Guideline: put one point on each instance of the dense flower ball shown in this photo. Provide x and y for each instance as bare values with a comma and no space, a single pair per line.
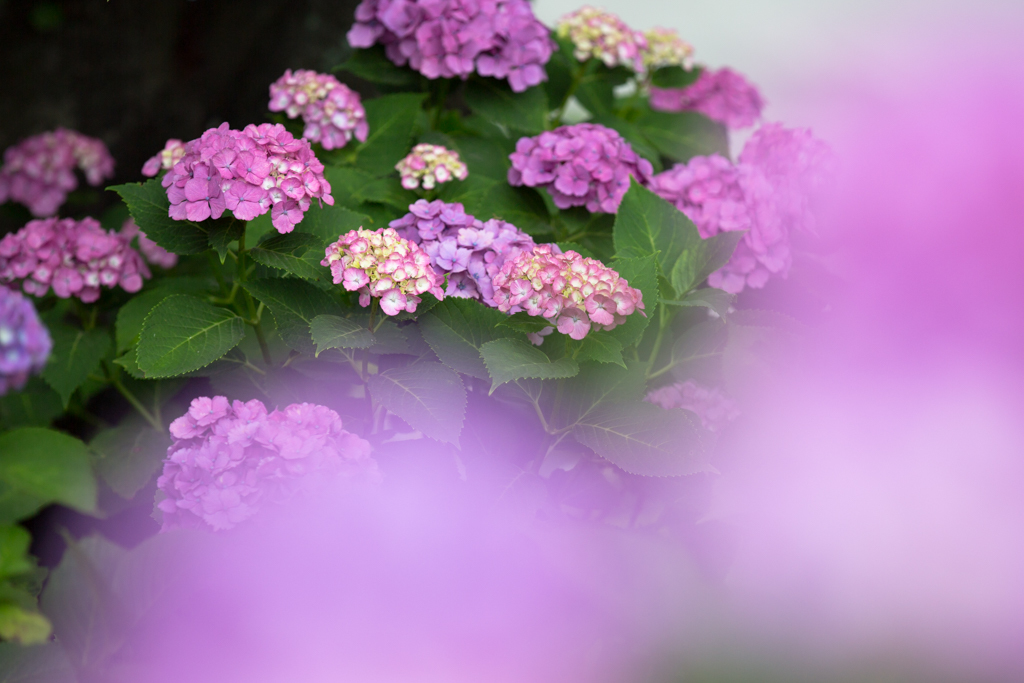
165,159
333,113
713,407
430,165
470,251
379,263
573,292
24,341
452,38
602,35
74,257
666,48
722,95
40,171
153,252
584,164
230,458
248,172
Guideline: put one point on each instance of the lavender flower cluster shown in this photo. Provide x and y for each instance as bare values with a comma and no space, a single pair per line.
24,341
332,112
472,252
165,159
599,34
74,257
40,171
454,38
723,96
430,165
585,164
248,172
712,406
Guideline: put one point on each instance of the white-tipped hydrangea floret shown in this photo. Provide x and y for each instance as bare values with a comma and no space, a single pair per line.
430,165
599,34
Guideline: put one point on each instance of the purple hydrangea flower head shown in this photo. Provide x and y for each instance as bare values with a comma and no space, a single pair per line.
470,251
230,458
333,113
430,165
248,172
584,164
24,341
75,258
165,159
40,171
598,34
722,95
153,252
380,263
454,38
713,407
664,48
573,292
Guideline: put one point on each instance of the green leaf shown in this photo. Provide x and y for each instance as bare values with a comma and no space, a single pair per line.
132,315
596,90
389,338
387,191
429,396
644,439
601,347
520,206
391,120
675,76
19,619
184,333
599,385
335,332
373,65
148,205
511,359
708,297
294,304
36,405
697,353
345,181
494,100
648,225
559,70
14,543
641,273
331,222
701,257
76,354
633,135
456,328
42,466
471,192
683,135
223,232
128,455
298,253
525,323
484,158
36,664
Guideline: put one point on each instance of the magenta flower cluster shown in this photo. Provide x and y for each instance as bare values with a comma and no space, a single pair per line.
380,263
153,252
24,341
573,292
599,34
75,258
454,38
472,252
723,96
332,112
248,172
430,165
165,159
584,164
712,406
40,171
229,458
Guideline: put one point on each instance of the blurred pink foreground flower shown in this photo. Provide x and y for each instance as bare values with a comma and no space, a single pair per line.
722,96
711,405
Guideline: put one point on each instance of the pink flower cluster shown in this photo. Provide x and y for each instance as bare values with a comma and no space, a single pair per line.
430,165
248,172
722,96
165,159
230,458
74,257
24,341
573,292
379,263
333,113
40,171
584,164
713,407
599,34
153,252
452,38
470,251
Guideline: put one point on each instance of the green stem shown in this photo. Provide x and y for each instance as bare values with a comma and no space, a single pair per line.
215,266
663,321
254,317
373,309
136,403
577,78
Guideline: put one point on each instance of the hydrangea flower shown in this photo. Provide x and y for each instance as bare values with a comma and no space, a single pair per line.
430,165
248,172
584,164
454,38
379,263
165,159
40,171
598,34
24,341
229,458
665,48
722,96
573,292
153,252
74,257
333,113
470,251
713,407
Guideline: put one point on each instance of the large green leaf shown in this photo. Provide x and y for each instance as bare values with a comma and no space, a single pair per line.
511,359
633,135
20,620
128,455
675,76
455,329
35,405
345,182
147,202
596,386
521,206
76,354
37,664
697,353
472,193
701,257
682,135
335,332
429,396
42,466
298,253
331,222
602,347
484,158
648,225
641,273
132,315
294,304
387,191
391,120
373,65
494,100
223,232
708,297
184,333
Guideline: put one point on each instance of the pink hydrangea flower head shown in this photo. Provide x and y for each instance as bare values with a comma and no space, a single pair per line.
165,159
24,341
75,258
575,293
451,38
430,165
153,252
230,458
598,34
665,48
470,251
722,95
711,405
381,264
40,170
585,164
332,112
